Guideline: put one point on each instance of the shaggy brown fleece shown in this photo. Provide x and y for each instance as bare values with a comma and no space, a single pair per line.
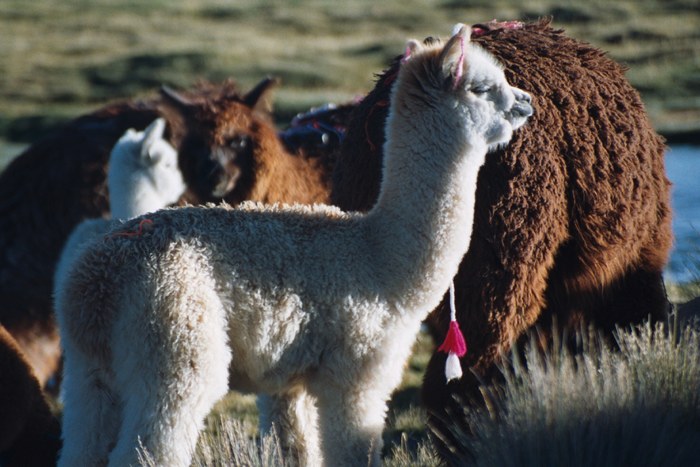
29,433
573,218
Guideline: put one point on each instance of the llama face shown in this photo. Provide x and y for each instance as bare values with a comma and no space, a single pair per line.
497,108
219,152
218,149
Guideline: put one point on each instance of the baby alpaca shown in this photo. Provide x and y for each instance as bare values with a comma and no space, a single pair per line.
278,298
143,176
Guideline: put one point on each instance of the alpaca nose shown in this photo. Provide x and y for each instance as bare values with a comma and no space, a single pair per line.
523,103
521,96
523,109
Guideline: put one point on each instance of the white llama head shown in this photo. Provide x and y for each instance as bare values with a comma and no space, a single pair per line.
143,172
468,78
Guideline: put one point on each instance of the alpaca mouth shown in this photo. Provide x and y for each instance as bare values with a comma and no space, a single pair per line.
499,135
519,114
521,110
225,185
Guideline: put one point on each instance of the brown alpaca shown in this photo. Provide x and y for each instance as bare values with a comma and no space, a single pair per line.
572,220
29,433
228,149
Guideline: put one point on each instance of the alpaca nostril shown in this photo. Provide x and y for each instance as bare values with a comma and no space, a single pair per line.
524,109
522,96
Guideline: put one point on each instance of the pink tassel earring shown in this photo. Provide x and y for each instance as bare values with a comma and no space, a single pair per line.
454,344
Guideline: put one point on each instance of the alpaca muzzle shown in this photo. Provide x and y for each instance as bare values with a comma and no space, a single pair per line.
522,108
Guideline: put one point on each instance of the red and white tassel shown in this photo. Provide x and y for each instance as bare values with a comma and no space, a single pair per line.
454,344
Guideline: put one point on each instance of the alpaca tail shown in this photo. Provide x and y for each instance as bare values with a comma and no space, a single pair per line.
83,290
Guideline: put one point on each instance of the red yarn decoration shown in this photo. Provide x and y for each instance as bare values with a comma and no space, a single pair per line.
454,341
135,233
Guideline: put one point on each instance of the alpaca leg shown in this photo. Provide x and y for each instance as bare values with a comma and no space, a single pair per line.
351,423
91,415
163,418
294,416
170,382
634,297
638,296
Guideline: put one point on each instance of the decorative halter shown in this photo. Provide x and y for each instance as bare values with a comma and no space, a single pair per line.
133,233
454,344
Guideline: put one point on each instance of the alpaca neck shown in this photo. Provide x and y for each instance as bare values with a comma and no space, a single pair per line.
422,222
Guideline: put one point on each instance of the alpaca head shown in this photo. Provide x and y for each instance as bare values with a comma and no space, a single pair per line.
143,172
463,76
223,133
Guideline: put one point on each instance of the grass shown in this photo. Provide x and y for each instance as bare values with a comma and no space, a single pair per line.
58,59
636,406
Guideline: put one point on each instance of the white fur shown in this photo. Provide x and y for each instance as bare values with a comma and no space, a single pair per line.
315,308
143,176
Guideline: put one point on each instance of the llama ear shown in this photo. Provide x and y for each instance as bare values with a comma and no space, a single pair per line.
174,98
412,46
151,134
260,97
453,54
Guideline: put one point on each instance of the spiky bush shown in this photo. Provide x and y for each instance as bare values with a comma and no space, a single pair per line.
636,405
229,444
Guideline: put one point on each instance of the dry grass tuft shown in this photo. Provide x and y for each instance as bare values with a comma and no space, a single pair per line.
636,406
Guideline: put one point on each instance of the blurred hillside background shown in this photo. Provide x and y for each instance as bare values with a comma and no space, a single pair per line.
59,59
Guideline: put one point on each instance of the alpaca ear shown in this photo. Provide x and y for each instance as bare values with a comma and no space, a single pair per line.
151,134
260,97
412,47
453,55
175,99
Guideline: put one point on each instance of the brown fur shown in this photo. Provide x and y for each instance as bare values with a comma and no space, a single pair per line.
572,219
59,181
29,433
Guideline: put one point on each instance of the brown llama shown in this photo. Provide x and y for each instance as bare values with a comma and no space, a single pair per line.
228,150
29,432
573,218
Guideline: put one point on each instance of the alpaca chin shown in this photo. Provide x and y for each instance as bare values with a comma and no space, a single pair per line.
499,136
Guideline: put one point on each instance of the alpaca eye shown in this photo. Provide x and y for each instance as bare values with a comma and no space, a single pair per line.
481,89
238,143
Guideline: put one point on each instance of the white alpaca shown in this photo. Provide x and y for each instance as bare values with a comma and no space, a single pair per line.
315,308
143,176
